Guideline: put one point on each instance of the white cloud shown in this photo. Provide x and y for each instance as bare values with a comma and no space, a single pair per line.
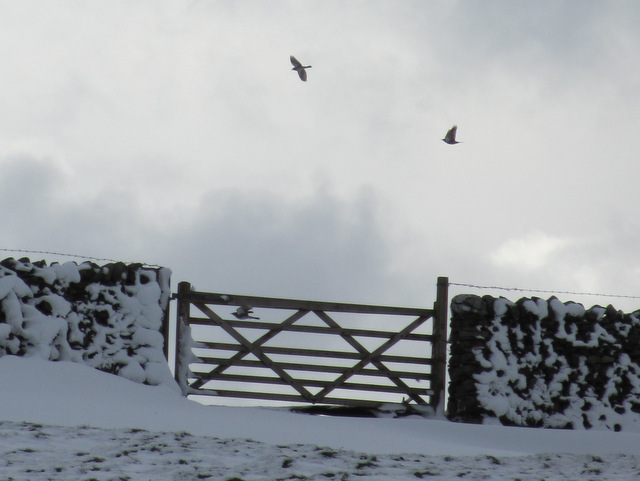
534,251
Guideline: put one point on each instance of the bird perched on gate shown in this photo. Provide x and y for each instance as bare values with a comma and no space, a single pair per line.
244,312
450,138
298,67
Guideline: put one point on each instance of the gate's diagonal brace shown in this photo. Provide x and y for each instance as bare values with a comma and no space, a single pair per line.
255,350
359,366
220,368
375,361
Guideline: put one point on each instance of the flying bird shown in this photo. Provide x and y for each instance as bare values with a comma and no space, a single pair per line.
450,138
298,67
244,312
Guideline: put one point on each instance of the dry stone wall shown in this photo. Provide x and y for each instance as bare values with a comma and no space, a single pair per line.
544,363
109,317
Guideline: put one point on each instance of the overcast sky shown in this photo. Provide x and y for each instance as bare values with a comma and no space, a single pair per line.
175,133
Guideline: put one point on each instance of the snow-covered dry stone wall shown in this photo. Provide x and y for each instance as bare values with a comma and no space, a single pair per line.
109,317
544,363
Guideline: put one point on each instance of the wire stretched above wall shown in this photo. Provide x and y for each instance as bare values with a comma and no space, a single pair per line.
78,256
544,291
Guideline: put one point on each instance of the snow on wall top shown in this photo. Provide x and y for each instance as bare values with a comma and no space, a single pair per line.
108,317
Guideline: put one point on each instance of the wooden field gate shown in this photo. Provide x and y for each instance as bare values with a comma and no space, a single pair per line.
287,350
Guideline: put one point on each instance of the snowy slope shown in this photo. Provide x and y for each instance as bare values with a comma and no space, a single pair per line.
37,452
67,421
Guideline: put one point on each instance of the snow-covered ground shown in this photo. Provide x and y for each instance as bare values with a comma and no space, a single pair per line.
61,420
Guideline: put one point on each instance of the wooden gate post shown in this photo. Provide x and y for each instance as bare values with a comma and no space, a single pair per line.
181,371
166,326
439,346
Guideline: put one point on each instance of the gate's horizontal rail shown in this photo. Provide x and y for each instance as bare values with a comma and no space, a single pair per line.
294,398
317,383
293,304
216,361
310,329
290,351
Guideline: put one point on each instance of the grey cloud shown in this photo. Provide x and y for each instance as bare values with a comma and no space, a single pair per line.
41,210
554,49
27,188
316,246
260,243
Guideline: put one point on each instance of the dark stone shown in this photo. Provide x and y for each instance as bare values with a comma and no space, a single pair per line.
44,307
593,359
465,302
130,276
9,263
118,271
561,404
573,360
102,317
90,273
612,312
76,292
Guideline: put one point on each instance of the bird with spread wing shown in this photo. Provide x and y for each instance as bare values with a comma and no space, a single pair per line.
298,67
450,138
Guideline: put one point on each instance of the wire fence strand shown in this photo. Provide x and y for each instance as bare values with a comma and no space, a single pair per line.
77,256
459,284
544,291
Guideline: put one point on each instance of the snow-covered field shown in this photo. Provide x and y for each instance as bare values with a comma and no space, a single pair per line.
69,422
